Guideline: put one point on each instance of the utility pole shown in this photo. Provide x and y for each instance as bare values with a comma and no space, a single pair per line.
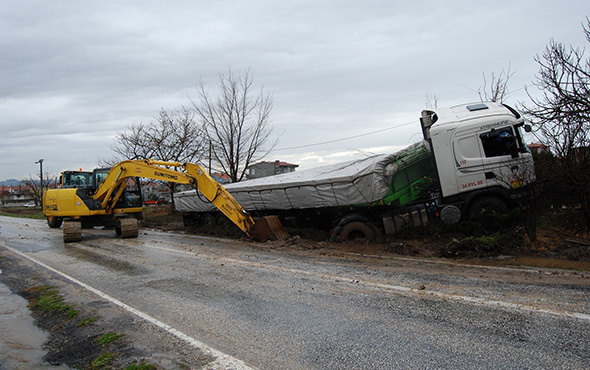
40,162
209,157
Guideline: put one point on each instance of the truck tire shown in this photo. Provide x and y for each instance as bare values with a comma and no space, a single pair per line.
223,221
209,220
54,222
356,230
486,206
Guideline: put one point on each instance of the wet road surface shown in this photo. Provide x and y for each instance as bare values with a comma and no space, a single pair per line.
269,309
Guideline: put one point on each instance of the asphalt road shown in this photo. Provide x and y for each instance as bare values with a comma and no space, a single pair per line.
250,305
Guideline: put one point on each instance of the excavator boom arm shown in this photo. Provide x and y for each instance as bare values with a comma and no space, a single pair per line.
112,188
220,197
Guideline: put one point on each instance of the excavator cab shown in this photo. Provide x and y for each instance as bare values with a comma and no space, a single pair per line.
100,174
76,179
131,197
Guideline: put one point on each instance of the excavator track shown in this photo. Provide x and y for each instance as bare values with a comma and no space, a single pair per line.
72,231
127,227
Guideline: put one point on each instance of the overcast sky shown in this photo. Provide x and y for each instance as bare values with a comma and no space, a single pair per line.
74,73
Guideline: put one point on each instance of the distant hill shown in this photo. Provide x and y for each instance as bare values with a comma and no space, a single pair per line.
11,182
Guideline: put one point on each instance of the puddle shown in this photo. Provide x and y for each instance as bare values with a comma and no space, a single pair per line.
21,341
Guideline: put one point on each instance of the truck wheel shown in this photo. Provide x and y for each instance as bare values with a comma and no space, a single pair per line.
209,220
224,222
486,206
54,222
356,230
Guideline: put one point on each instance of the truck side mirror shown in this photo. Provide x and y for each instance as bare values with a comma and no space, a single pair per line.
528,128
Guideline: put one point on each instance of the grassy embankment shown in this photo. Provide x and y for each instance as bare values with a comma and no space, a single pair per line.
23,212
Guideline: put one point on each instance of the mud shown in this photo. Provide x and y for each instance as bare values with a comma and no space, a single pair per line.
462,241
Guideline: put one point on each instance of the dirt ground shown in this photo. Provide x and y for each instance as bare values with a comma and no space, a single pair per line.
560,247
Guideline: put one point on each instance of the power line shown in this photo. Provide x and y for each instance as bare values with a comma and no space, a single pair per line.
344,138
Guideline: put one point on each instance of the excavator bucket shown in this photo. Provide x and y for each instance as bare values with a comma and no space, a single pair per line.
269,227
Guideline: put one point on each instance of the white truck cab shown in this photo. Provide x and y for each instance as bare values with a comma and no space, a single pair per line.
488,155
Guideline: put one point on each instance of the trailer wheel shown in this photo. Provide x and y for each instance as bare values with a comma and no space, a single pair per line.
356,230
223,221
486,206
209,220
54,222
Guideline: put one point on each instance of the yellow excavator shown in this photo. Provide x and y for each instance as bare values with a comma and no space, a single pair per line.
112,197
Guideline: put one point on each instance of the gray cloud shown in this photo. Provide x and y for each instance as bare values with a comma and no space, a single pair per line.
72,74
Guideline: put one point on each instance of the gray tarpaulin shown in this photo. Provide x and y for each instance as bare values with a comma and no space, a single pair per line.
343,184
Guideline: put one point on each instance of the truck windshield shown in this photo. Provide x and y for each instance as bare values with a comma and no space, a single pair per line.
498,142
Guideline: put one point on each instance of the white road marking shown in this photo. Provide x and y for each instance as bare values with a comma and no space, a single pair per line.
222,360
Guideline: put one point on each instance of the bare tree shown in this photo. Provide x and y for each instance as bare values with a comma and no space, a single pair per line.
497,88
37,188
561,115
237,122
173,136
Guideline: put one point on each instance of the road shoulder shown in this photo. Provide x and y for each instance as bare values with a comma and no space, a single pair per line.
77,345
